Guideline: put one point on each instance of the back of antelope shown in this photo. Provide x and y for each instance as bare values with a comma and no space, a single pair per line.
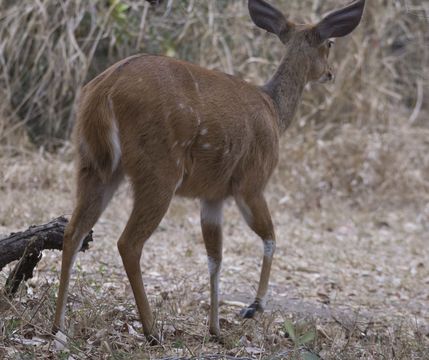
175,128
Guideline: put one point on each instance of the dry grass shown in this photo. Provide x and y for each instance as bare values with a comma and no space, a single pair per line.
44,63
350,197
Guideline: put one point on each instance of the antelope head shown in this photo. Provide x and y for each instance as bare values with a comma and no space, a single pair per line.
308,43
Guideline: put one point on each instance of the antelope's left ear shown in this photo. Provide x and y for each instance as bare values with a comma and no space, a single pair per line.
340,22
269,18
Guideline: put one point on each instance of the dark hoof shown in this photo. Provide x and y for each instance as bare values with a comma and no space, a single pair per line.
153,340
249,312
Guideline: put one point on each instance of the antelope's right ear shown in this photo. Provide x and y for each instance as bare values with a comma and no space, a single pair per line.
269,18
341,22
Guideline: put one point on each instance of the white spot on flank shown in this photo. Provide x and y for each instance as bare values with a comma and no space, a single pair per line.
181,106
197,87
204,131
207,146
269,248
116,146
114,139
178,162
211,212
198,119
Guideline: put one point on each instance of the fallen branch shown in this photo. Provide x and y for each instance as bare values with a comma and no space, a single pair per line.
27,247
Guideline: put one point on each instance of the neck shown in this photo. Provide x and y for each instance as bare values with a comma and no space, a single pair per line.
286,87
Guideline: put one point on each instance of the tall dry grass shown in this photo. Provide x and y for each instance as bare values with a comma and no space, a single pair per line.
50,48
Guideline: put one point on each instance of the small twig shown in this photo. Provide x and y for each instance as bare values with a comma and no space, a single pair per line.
142,25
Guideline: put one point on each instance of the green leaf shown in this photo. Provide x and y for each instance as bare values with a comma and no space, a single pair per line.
307,337
290,329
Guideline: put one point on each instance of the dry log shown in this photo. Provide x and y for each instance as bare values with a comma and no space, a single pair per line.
27,247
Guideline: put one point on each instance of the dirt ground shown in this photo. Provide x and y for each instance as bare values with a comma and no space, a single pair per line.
351,269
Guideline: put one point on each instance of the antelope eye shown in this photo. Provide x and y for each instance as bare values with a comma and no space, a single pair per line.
330,43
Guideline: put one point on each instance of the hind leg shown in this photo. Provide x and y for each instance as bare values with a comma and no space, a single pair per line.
152,196
92,197
255,211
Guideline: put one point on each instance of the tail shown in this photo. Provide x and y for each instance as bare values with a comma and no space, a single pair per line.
97,133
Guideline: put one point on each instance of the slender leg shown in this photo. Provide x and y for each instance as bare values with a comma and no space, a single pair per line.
92,198
150,205
255,211
211,224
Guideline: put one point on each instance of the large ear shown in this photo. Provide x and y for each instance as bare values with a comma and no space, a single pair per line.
267,17
341,22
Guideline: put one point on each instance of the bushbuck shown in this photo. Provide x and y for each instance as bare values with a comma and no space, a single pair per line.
174,128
